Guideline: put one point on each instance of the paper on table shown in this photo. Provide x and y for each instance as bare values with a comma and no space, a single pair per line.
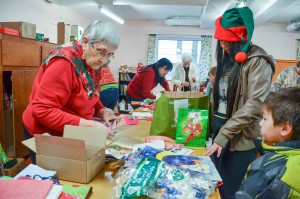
142,114
159,144
55,192
32,170
180,151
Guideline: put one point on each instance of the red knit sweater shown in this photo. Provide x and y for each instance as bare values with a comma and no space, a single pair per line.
142,83
58,98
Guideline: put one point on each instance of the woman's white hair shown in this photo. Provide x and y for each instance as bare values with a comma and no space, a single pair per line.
187,57
102,31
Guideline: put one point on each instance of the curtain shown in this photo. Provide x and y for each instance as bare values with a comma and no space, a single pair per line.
151,49
298,49
205,57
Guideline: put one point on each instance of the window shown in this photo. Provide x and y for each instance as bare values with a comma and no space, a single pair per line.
173,48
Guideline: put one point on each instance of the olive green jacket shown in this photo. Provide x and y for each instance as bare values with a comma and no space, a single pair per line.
256,74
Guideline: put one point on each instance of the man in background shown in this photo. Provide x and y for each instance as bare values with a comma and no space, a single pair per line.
289,77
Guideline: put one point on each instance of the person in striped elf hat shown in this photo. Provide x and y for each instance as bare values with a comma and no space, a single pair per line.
243,80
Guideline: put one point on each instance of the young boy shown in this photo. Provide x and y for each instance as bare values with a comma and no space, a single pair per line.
212,76
276,174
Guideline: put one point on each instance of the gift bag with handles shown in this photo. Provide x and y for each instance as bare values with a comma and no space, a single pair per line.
163,118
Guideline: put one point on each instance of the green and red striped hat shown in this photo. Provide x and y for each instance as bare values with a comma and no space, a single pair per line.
235,25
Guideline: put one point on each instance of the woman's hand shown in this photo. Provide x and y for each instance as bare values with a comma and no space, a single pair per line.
215,147
186,84
106,115
96,124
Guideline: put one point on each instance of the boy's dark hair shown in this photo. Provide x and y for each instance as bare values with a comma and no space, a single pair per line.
285,107
213,71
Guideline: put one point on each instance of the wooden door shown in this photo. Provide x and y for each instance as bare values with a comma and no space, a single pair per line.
22,81
281,64
16,53
2,134
47,48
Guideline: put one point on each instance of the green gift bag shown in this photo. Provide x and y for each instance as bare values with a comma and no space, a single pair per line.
192,127
163,117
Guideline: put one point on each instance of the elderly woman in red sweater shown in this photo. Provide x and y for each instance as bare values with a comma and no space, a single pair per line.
66,88
147,78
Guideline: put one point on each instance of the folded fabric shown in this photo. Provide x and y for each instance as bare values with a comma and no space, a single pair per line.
29,189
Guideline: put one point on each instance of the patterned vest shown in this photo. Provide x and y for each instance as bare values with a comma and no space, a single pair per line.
74,54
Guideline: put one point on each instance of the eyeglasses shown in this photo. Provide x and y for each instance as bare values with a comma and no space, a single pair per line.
102,53
166,69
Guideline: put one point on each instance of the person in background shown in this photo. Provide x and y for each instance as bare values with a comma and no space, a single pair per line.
243,80
272,175
146,79
289,77
109,91
66,87
185,73
212,77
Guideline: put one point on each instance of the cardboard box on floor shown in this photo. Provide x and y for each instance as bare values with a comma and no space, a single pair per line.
15,169
78,156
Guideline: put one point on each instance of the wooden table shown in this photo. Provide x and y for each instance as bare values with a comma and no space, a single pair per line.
104,182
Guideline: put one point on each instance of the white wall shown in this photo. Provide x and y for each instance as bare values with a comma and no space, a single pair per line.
272,37
43,14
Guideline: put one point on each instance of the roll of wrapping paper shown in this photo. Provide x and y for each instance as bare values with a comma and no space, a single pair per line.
3,155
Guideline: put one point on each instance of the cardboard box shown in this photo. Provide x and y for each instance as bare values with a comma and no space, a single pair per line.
78,156
15,169
63,33
76,31
27,30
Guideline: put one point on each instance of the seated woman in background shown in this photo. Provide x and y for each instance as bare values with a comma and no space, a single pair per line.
109,91
146,79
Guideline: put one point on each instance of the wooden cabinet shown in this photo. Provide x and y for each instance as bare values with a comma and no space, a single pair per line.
20,59
281,64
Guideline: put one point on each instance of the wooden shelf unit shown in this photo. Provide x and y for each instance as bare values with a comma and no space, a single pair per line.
20,59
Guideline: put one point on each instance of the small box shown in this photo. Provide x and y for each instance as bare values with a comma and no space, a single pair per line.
15,169
39,36
9,31
27,30
76,31
78,156
63,33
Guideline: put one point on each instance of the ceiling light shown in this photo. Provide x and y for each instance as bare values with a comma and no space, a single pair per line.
241,3
182,21
110,14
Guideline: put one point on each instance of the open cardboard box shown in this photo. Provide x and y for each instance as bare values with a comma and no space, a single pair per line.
16,168
78,156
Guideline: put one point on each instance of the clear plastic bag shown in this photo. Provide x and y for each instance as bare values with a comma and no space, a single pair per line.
151,177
